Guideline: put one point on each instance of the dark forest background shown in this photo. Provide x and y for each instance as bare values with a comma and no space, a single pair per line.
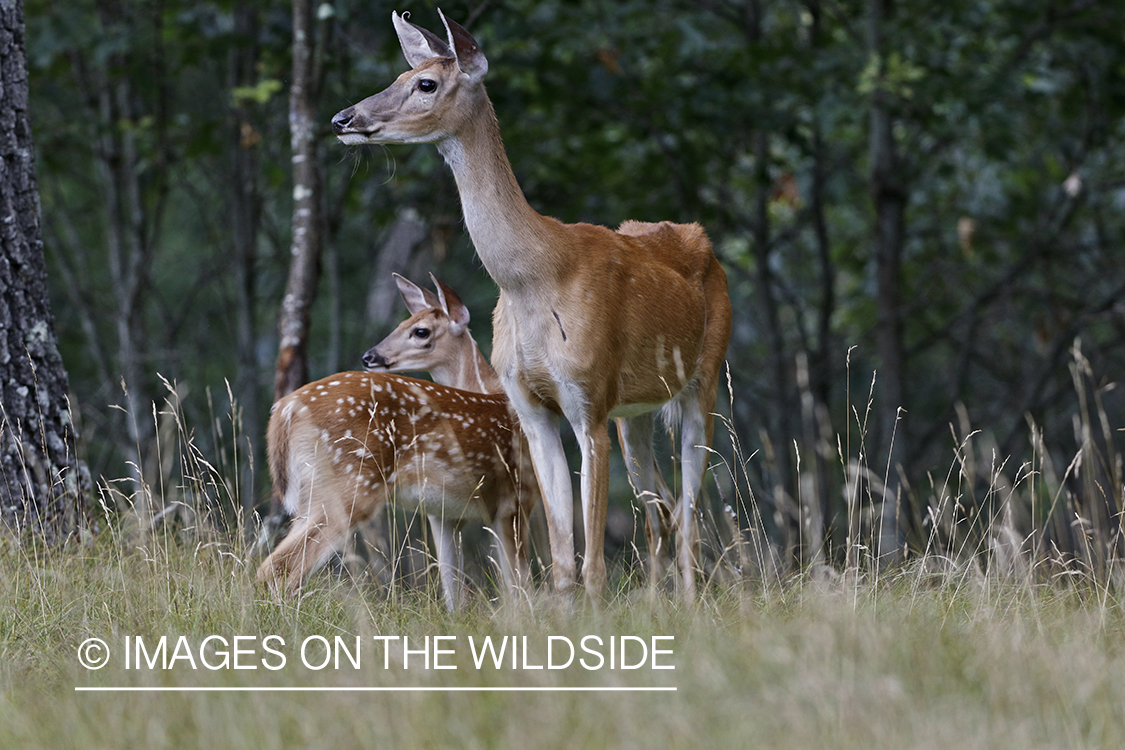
920,207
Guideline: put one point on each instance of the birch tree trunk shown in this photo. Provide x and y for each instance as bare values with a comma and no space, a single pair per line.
42,483
292,369
304,270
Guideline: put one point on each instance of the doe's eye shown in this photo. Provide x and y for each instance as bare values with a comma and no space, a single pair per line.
421,333
427,85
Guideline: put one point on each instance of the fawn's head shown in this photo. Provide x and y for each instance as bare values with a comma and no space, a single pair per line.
436,334
427,103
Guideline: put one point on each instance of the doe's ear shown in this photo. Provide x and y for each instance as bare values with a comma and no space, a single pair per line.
418,45
470,59
416,298
452,305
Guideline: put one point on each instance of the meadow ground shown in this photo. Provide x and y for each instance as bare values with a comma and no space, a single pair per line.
916,659
1005,647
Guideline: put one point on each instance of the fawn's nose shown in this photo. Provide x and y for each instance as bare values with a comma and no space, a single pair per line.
373,360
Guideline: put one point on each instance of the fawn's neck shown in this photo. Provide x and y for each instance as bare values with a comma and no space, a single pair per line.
469,372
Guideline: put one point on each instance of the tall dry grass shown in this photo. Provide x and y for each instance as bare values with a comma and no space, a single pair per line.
1004,628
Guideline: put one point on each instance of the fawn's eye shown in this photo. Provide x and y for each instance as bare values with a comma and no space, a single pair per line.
427,85
422,333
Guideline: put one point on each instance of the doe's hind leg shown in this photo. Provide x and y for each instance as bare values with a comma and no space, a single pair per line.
636,435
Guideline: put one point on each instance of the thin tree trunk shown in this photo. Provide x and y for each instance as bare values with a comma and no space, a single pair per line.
401,243
820,365
888,193
246,204
304,270
818,429
117,168
42,484
134,189
780,420
292,370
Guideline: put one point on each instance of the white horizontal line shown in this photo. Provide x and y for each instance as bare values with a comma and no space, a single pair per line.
363,689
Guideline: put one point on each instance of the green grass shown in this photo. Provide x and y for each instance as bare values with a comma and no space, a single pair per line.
986,638
916,660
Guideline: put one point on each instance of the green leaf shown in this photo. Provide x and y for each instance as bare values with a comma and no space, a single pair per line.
260,93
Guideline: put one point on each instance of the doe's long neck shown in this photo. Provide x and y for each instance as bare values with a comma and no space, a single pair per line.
511,238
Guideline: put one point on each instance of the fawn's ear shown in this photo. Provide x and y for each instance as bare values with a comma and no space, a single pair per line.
416,298
418,44
452,305
470,59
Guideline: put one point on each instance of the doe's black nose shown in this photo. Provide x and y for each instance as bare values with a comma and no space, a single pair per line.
342,119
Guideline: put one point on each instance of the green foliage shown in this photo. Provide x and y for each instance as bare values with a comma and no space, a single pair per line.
259,93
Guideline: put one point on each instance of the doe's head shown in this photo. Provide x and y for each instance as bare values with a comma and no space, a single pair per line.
427,103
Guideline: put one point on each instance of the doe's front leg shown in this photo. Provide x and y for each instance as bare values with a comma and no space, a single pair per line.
541,427
451,561
594,442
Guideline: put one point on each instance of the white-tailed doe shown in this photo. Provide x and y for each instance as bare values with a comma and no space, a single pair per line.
591,323
339,448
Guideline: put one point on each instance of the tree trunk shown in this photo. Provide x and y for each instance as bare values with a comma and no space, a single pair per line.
779,429
304,270
292,370
245,215
888,193
401,244
42,483
134,185
815,404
